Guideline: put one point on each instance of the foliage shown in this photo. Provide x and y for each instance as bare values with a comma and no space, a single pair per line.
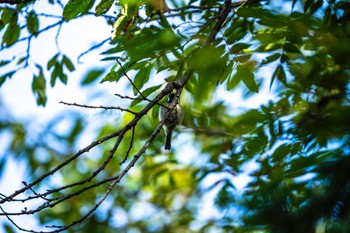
298,141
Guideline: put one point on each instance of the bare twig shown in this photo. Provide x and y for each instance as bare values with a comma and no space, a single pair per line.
99,107
40,31
92,48
60,166
127,97
135,98
131,82
130,146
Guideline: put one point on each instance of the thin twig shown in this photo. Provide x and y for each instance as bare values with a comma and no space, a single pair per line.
135,98
92,48
14,2
127,97
130,146
60,166
40,31
99,107
131,82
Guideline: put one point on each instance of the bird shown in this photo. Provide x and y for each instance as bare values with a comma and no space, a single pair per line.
172,115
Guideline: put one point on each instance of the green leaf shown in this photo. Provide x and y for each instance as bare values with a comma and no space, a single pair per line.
139,65
74,7
5,76
225,197
63,77
279,155
116,49
149,42
247,76
249,81
111,77
7,15
271,58
56,73
39,88
5,62
120,22
236,36
11,34
103,7
68,63
238,47
227,72
279,73
32,23
142,77
76,130
155,112
307,4
233,81
9,228
91,76
52,61
289,47
282,75
114,76
269,37
21,60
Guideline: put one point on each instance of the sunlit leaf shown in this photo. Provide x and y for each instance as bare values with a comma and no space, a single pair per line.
103,7
120,22
75,7
238,47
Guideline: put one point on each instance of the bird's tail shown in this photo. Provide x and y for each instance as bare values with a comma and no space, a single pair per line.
168,139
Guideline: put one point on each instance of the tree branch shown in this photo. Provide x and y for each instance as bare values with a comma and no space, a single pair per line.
13,2
97,107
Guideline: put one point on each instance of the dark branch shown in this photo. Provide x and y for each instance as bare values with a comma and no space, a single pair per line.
13,2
